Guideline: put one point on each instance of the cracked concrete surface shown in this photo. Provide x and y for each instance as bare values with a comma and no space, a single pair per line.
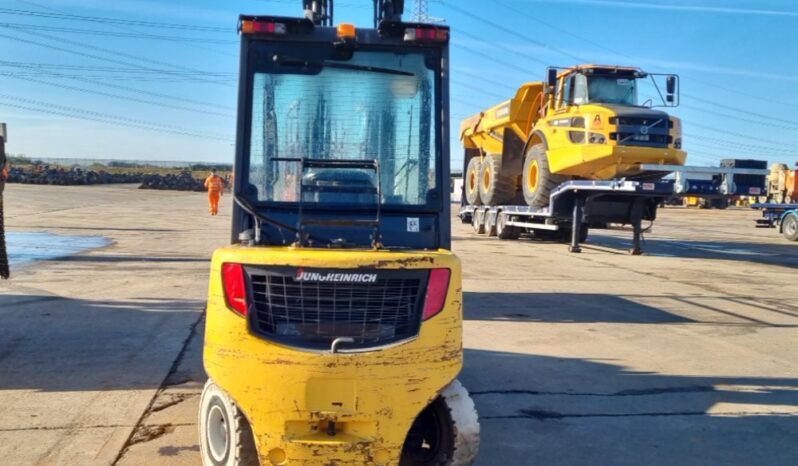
683,356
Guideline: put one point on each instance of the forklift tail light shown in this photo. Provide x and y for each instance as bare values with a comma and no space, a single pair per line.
235,287
437,288
426,34
262,27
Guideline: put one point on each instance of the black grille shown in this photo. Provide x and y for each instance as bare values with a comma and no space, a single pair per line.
645,140
650,121
644,131
312,314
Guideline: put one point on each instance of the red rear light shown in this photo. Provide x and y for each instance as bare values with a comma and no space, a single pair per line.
437,288
426,34
235,287
262,27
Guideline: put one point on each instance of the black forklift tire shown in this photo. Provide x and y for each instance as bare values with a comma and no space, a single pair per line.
495,188
504,231
789,227
225,435
471,181
446,433
537,180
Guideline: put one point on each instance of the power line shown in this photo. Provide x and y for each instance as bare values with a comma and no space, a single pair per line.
147,93
627,56
106,20
111,122
51,66
132,35
510,32
117,96
117,53
126,28
82,54
482,91
793,124
106,116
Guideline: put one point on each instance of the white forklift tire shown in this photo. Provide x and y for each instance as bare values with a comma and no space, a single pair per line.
225,435
446,433
466,423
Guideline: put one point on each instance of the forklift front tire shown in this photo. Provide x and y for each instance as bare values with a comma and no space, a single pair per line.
225,434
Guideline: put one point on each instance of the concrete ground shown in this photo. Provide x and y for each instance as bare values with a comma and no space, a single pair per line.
683,356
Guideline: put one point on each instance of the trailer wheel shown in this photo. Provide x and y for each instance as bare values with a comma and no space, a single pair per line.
225,435
789,227
490,224
537,181
478,223
495,188
446,433
472,181
504,231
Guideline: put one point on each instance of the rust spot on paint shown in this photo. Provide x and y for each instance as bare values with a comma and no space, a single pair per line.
401,263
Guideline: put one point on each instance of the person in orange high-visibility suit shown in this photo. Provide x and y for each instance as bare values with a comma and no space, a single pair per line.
215,186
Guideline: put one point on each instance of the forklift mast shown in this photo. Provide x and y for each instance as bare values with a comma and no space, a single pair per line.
321,12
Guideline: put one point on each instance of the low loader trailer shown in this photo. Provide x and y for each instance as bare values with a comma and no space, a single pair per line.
577,206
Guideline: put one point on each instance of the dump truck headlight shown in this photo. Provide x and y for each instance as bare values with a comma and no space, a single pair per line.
677,143
597,138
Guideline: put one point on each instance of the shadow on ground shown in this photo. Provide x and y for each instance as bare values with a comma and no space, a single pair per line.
563,307
540,410
785,255
50,343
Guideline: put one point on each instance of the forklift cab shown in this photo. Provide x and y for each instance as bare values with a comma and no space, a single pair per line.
341,136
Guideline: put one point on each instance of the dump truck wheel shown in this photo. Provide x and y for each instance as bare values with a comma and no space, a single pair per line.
789,227
504,231
446,433
225,435
472,181
537,181
495,188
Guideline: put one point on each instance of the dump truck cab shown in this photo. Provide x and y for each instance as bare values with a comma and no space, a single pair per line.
596,110
334,319
584,122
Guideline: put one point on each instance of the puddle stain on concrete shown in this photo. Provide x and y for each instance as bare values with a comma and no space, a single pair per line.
25,247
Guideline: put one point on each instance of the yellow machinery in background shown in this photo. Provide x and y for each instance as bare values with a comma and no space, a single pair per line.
782,184
334,321
585,122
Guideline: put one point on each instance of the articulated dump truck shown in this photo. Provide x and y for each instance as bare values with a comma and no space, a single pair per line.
583,123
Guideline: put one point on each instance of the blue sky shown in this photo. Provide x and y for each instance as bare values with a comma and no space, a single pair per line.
737,60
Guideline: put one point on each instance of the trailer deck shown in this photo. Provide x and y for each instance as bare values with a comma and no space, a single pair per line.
578,205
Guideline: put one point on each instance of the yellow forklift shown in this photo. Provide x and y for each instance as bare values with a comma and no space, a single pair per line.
334,320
